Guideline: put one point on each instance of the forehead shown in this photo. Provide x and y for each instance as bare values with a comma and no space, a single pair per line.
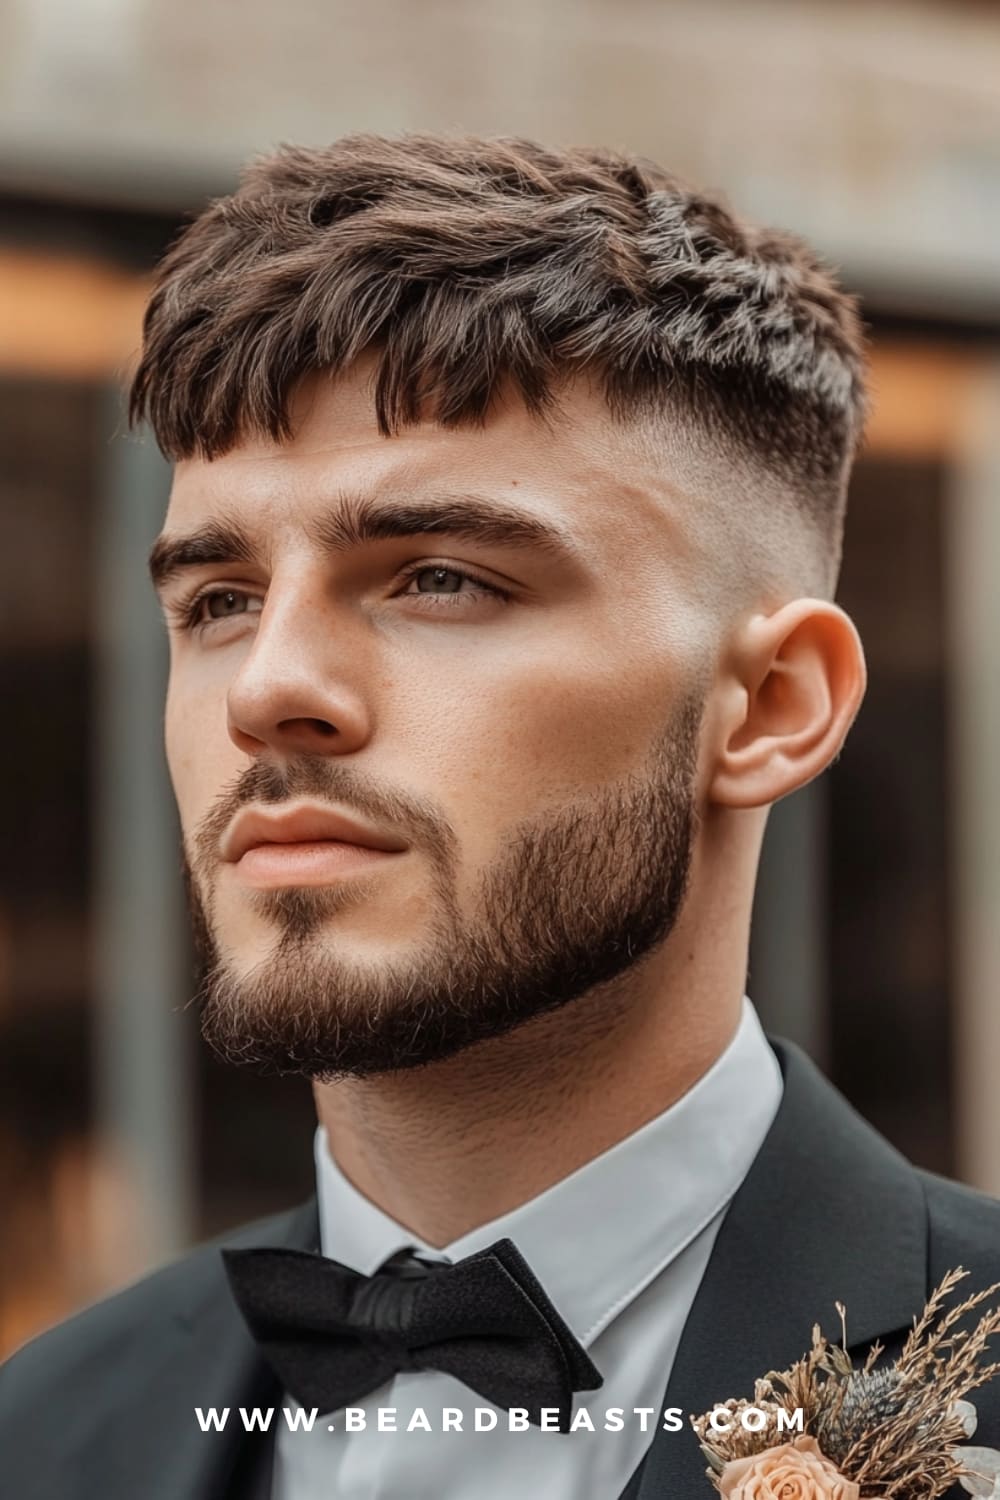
576,469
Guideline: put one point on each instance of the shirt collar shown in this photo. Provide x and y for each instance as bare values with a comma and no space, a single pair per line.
601,1235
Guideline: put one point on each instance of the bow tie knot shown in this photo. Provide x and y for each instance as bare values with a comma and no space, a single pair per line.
333,1336
387,1309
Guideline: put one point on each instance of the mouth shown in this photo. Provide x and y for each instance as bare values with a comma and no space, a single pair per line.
306,845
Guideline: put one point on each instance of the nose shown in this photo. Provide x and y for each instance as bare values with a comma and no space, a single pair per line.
298,690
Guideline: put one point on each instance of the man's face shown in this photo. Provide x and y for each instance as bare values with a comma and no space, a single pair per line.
432,724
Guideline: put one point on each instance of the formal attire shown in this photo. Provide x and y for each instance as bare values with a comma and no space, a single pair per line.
620,1247
102,1407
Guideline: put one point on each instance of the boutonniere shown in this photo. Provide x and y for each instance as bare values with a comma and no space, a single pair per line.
827,1430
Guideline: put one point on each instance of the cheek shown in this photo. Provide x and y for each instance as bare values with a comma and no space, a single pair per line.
590,706
500,737
585,722
583,709
200,755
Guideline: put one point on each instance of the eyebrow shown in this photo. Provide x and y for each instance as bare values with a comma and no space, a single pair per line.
356,521
214,542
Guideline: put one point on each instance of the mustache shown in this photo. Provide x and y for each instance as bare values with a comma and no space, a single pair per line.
417,820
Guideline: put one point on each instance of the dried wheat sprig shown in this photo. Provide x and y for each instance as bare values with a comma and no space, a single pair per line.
924,1339
920,1436
931,1307
913,1453
917,1440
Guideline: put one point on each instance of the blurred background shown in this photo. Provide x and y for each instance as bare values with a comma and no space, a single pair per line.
874,129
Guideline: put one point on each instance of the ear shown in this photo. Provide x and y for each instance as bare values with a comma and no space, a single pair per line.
791,685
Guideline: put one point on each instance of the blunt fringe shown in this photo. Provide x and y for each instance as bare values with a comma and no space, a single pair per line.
465,265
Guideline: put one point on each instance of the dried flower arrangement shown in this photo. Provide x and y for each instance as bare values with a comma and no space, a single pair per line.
895,1432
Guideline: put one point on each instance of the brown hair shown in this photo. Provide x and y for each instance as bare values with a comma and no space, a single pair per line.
467,263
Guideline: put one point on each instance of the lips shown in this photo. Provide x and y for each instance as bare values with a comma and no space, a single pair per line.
303,824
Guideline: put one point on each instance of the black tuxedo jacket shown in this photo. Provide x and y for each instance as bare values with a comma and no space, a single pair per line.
102,1407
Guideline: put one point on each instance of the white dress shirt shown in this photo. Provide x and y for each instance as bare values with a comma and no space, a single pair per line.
620,1246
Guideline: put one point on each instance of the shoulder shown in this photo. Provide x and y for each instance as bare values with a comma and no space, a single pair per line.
102,1349
963,1229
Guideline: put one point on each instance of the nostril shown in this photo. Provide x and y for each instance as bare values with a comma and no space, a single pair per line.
315,726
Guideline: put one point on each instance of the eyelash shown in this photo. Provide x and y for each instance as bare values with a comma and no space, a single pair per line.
446,600
185,612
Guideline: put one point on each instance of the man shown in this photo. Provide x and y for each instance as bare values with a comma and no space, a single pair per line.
498,571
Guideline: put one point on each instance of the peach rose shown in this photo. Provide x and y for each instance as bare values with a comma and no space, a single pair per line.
793,1471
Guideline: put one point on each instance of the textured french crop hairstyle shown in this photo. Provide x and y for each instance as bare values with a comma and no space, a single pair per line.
465,265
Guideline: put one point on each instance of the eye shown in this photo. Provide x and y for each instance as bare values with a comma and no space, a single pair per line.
439,581
214,605
441,587
218,606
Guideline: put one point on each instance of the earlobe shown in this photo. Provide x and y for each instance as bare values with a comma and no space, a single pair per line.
794,683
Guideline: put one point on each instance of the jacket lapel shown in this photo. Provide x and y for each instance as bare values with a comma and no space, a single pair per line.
215,1362
828,1212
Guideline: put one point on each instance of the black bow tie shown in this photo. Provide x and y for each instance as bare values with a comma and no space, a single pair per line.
334,1336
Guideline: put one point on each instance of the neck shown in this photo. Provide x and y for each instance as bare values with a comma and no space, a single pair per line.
445,1148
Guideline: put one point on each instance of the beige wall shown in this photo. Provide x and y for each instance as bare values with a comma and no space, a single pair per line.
872,125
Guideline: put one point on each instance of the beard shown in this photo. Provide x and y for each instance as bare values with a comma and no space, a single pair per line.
581,893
